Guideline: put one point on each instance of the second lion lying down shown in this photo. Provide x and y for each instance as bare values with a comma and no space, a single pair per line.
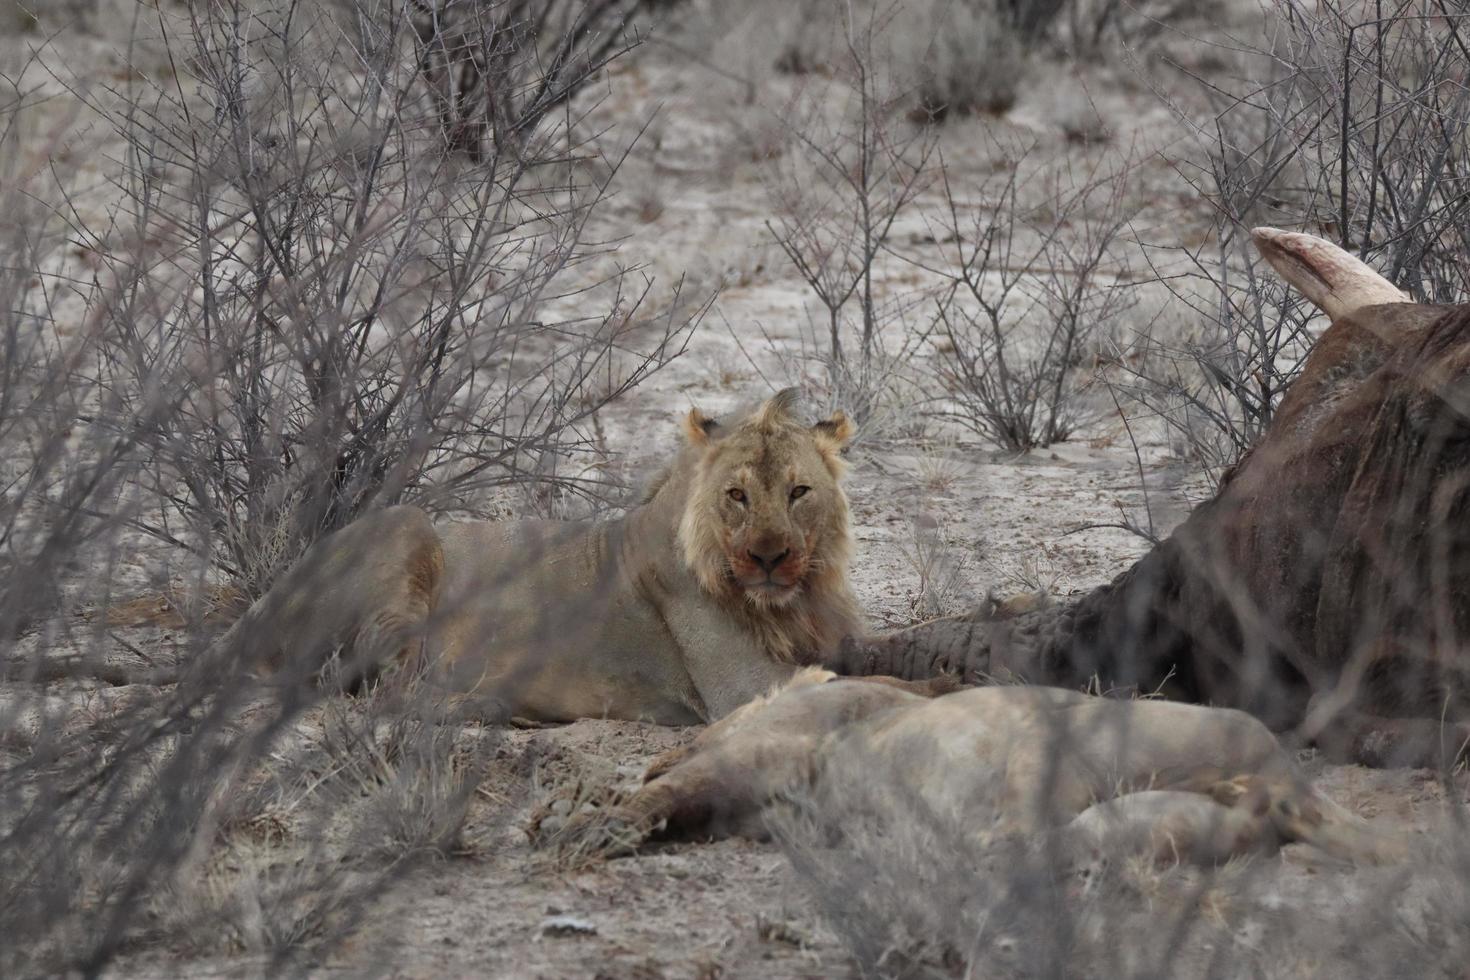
1093,776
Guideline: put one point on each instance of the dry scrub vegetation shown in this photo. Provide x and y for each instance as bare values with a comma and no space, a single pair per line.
294,262
306,295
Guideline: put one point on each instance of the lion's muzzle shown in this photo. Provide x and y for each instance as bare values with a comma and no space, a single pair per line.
769,568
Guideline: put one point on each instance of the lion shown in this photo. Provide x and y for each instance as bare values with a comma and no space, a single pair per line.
728,577
1098,778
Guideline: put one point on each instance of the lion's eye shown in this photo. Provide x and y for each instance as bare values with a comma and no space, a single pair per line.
736,494
798,492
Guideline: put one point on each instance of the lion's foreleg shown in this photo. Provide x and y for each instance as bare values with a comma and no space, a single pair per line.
397,622
720,791
666,761
1301,814
681,801
1265,808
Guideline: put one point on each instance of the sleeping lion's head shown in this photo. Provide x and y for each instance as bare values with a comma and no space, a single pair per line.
766,518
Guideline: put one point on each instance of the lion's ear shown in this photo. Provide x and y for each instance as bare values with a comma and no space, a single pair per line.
698,427
835,433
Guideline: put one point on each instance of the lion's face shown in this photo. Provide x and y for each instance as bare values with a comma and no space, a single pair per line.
766,514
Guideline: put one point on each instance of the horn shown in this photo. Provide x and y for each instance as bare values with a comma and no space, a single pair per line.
1337,283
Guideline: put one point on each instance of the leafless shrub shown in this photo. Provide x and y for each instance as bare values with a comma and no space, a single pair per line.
891,930
351,796
279,902
966,57
576,825
940,465
293,307
1219,392
497,67
941,56
1353,124
352,316
1069,105
1031,18
956,56
1092,28
1393,143
23,20
1035,574
877,394
1028,282
836,198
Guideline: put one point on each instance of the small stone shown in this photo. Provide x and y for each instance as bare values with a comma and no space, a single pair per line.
565,926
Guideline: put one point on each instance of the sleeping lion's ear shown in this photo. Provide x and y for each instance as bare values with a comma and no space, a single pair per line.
835,433
698,427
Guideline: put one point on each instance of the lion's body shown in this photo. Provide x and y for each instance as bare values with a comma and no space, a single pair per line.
1105,776
643,617
557,621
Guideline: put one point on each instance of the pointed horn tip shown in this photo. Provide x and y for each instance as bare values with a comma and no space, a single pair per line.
1269,239
1336,281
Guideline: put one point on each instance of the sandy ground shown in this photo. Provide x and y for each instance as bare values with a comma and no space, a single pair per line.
734,908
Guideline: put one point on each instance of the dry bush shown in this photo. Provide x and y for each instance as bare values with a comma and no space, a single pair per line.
496,68
941,57
1095,29
941,464
1031,18
1351,121
576,825
960,58
278,902
1035,574
1028,282
288,304
352,315
853,170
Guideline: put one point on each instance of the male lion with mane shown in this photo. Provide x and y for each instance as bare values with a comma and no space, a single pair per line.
727,578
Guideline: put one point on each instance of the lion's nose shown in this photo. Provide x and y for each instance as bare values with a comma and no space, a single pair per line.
769,562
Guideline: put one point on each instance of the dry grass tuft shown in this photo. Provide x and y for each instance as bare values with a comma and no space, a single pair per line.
407,784
940,465
280,902
578,824
941,567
